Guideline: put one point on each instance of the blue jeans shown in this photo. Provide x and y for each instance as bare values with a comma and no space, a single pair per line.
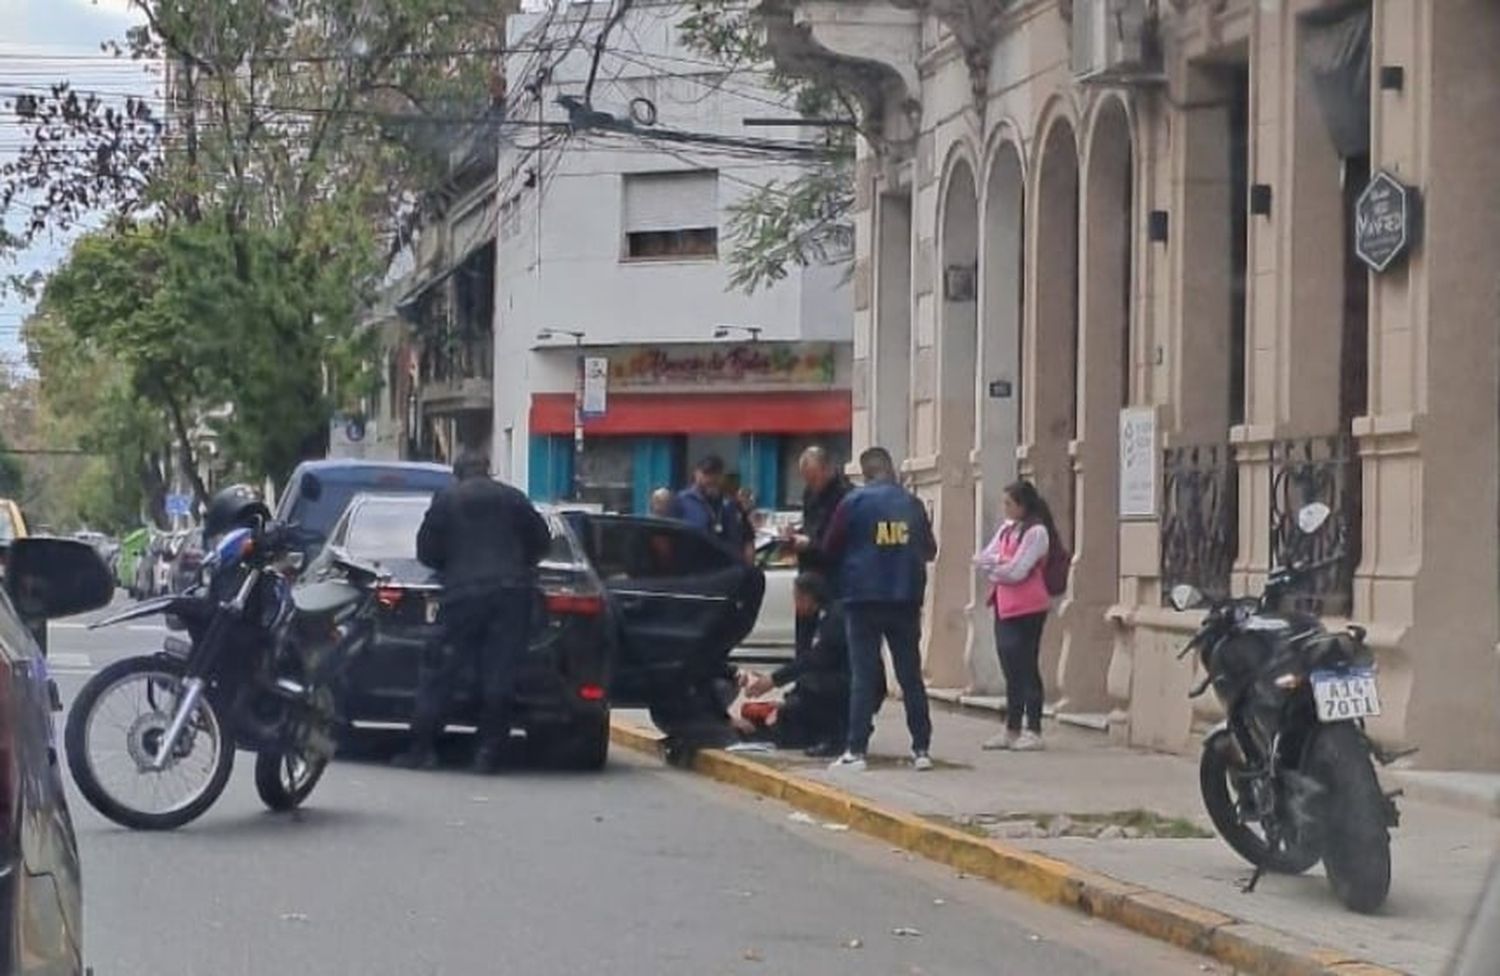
899,625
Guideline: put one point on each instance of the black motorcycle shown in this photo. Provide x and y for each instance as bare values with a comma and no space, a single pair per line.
1288,778
151,739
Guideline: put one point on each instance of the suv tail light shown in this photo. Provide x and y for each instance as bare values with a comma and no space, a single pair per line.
575,604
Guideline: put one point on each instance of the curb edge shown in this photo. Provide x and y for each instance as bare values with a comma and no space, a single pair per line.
1250,947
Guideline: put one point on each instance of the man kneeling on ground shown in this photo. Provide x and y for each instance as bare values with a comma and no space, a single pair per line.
815,713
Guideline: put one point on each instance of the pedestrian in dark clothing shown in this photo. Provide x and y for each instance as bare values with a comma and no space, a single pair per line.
825,486
485,539
815,712
706,506
883,540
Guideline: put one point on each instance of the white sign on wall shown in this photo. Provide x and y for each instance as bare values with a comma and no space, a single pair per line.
1138,463
595,386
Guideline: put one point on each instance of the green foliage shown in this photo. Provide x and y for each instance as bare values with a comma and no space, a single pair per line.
12,475
247,228
784,224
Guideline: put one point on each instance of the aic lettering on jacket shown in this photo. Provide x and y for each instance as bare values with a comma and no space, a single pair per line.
892,533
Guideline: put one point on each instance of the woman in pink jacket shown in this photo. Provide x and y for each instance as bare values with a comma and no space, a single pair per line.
1015,562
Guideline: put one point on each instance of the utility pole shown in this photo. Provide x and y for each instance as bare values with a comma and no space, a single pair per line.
547,335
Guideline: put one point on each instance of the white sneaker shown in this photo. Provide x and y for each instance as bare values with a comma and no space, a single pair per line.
1005,740
1028,741
848,763
921,762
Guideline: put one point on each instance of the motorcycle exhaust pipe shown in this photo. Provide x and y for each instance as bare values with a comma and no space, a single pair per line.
185,709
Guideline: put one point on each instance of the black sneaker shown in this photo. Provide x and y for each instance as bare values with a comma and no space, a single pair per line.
824,750
416,757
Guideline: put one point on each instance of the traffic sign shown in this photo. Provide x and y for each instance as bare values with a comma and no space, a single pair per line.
179,506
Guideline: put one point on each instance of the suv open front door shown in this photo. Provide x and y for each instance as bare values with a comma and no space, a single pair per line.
682,601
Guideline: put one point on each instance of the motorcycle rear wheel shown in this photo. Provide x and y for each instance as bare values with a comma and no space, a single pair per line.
1216,768
161,674
1358,854
284,781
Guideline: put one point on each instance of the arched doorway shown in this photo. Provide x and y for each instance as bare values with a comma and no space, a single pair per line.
958,355
1000,380
1049,412
1104,364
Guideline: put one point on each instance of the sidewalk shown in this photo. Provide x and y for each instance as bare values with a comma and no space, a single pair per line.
1138,818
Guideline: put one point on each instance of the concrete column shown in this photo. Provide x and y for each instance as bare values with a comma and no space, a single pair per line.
1107,222
890,401
1050,344
953,582
1431,445
1002,270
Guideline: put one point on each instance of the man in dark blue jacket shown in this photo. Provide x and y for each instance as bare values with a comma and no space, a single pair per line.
882,539
706,506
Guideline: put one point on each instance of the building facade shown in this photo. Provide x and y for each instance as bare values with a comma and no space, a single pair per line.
612,252
1128,249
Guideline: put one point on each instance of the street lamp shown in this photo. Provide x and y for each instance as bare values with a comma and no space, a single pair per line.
753,331
547,335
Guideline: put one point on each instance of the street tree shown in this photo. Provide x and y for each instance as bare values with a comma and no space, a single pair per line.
255,196
783,225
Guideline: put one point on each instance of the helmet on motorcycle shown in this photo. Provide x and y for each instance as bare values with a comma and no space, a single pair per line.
238,506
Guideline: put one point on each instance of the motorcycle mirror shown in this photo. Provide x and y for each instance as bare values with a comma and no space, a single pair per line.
1184,597
1310,518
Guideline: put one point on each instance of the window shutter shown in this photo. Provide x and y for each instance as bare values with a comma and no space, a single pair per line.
671,201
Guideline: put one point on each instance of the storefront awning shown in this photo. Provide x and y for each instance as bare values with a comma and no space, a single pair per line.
816,412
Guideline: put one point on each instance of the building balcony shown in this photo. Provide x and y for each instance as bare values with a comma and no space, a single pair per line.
457,395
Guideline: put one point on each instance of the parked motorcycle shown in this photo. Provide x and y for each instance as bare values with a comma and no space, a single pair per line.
1288,778
151,739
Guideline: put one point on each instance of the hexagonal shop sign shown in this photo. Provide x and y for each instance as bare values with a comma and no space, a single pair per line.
1385,222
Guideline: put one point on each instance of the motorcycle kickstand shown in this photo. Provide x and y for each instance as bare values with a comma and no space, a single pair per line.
1248,888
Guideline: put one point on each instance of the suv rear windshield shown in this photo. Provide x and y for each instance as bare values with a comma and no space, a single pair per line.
339,486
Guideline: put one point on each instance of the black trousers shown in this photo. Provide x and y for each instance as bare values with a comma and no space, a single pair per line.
1018,640
815,711
491,630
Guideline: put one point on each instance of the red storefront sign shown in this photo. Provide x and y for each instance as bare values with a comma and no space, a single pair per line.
792,412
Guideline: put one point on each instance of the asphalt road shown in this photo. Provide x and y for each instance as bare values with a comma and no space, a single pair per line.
638,870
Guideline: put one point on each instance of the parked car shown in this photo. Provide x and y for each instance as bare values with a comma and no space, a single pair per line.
634,611
41,901
775,635
318,492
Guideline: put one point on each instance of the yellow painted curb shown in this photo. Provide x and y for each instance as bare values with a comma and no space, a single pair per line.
1250,948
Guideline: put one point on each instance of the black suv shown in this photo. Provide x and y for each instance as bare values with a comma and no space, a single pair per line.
632,611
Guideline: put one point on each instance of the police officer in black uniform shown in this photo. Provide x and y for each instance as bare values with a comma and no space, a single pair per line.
486,539
883,540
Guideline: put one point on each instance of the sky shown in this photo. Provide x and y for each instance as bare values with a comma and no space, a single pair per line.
41,42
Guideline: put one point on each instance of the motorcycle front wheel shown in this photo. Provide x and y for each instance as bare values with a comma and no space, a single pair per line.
1220,771
114,729
285,779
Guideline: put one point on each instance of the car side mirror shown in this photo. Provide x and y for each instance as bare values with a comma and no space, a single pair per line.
1184,597
49,578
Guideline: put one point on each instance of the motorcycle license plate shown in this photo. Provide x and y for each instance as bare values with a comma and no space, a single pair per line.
1345,695
432,611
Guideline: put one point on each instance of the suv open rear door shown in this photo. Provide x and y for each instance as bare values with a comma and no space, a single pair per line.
682,601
